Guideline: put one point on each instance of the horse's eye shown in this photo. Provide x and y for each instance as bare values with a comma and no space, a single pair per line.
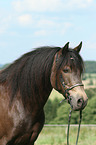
66,70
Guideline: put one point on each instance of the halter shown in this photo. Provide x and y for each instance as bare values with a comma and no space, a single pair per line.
66,90
68,98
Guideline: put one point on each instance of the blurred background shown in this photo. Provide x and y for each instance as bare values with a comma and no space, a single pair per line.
27,24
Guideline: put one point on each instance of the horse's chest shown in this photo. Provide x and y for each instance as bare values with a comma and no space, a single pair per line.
22,120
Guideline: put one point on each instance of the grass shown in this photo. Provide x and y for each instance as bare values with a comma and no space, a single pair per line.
55,94
58,135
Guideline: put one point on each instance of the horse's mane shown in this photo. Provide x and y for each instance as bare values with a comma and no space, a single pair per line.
30,74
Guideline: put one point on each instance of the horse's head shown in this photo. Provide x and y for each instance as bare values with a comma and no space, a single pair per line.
66,76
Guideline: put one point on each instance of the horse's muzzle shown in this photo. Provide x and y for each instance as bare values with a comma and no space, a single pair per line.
78,103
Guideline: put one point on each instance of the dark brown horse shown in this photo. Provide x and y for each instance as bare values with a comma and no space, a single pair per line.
26,85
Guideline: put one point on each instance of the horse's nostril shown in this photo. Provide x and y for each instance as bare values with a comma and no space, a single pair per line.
80,102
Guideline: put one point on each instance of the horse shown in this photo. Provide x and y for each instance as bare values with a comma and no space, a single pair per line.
26,84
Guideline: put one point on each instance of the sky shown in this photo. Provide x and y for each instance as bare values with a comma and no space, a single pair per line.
27,24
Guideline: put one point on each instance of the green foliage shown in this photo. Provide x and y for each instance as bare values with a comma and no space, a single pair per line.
89,114
51,109
48,108
62,114
90,82
90,92
84,77
90,66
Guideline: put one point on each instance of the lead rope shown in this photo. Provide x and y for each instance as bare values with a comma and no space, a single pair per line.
78,127
68,127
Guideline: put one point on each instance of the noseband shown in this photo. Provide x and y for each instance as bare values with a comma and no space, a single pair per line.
66,90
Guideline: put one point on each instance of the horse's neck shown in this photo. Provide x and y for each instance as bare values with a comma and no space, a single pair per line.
45,92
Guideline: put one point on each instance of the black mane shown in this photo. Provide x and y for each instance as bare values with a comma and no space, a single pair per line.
30,74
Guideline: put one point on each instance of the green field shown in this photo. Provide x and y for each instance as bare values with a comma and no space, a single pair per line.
57,135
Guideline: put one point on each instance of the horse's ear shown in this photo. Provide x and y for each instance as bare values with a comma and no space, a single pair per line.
78,48
65,48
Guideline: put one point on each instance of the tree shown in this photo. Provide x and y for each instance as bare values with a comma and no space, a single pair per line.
89,114
48,110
